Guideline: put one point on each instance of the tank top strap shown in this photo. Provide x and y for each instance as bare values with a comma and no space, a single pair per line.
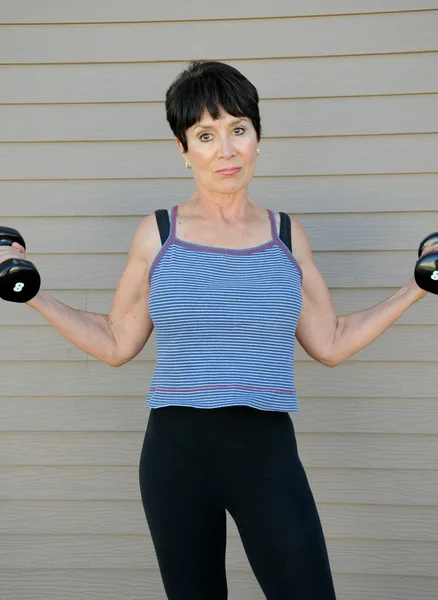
173,217
274,232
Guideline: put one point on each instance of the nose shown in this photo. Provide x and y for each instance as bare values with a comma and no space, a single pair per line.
226,147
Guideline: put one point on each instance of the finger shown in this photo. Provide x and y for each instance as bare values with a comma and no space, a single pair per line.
428,249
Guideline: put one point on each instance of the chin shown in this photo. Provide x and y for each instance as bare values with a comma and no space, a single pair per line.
231,185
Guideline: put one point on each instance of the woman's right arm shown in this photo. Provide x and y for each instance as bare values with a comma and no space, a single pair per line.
118,337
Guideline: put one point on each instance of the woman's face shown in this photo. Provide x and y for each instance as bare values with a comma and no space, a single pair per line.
222,152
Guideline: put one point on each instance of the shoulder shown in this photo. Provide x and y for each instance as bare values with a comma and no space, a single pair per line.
146,239
300,242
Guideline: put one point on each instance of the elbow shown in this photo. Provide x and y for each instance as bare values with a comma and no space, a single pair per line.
333,356
115,364
330,362
117,360
331,359
334,360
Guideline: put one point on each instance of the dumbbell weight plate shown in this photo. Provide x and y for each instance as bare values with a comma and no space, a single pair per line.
19,280
426,269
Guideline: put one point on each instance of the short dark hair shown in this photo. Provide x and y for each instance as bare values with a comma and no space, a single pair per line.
211,86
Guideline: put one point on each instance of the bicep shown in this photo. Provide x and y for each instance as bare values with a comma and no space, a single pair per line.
129,317
318,321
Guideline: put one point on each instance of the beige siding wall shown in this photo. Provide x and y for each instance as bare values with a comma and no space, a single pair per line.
349,103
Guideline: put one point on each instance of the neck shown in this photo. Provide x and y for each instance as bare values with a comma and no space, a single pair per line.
227,207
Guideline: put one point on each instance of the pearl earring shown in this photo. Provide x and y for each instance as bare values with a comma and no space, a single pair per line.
188,165
258,151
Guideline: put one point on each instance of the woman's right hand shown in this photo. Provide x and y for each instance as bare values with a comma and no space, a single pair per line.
14,251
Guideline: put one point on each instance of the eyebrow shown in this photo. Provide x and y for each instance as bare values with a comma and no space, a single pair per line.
203,126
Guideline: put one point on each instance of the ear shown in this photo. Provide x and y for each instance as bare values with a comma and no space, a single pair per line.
180,146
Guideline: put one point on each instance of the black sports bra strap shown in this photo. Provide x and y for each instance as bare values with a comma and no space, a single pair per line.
285,230
163,223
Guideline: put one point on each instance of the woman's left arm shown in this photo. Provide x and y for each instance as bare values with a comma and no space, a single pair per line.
332,339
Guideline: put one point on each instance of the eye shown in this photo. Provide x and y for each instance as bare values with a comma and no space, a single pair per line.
239,130
204,137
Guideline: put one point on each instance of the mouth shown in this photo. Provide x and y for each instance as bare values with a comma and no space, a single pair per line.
232,171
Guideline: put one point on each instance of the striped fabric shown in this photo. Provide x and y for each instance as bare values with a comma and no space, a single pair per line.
225,323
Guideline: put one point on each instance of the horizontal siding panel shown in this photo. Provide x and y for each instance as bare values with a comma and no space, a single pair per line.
97,552
364,587
359,379
297,195
383,558
95,584
324,415
367,415
281,78
362,451
131,584
349,486
270,38
368,522
104,11
400,343
70,449
317,450
33,343
281,157
80,271
365,269
326,232
80,552
76,414
80,517
298,78
351,379
280,118
367,486
74,234
102,272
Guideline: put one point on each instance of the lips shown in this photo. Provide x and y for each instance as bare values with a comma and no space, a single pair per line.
231,171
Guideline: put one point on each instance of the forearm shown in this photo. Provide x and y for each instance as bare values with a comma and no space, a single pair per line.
88,331
357,330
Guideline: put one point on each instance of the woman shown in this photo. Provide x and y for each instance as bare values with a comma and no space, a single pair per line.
226,297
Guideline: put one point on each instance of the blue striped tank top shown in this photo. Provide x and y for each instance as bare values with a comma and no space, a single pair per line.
224,322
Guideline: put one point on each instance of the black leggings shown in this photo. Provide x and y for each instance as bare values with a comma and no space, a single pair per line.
198,463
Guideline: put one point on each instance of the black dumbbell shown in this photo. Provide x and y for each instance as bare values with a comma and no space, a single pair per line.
19,279
426,268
